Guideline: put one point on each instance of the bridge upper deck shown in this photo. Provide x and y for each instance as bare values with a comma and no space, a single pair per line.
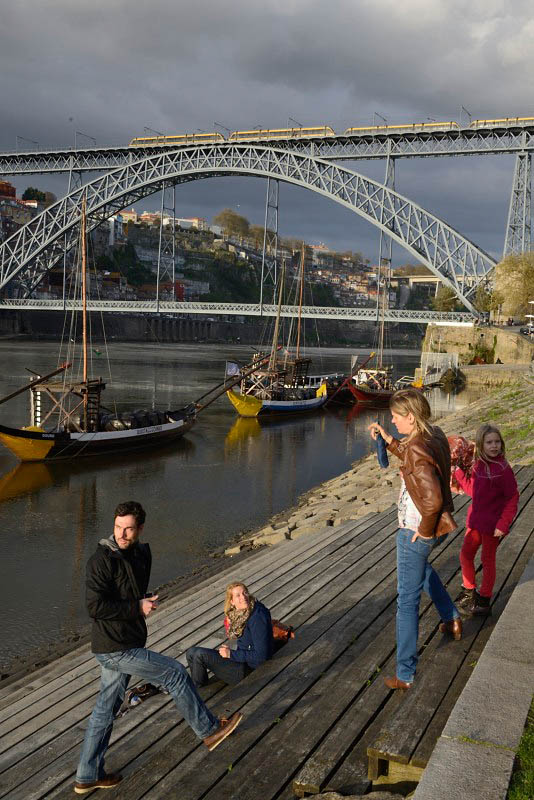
376,142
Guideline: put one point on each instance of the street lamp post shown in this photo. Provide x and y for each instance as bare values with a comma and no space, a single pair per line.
152,130
23,139
224,128
86,135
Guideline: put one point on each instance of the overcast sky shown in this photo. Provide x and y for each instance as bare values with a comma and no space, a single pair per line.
108,69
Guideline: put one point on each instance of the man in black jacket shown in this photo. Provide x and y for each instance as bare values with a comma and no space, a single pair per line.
117,578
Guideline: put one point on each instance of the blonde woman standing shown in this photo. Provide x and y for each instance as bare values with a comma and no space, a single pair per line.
425,519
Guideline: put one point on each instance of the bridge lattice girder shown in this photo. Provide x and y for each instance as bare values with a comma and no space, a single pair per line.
174,307
37,246
464,142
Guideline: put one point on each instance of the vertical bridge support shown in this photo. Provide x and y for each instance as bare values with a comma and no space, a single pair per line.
385,247
270,243
519,214
167,240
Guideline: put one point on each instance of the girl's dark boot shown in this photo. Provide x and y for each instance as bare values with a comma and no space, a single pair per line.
481,605
466,598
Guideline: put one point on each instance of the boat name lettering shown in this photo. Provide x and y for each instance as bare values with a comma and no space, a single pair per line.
146,430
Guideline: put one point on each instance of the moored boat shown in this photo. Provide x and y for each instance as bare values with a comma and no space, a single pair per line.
283,402
34,443
279,386
68,420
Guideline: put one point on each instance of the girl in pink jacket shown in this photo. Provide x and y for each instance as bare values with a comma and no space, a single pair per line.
493,487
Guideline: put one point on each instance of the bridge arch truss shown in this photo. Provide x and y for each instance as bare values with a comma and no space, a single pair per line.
38,246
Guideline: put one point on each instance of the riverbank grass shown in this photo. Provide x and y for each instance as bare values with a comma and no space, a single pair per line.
522,783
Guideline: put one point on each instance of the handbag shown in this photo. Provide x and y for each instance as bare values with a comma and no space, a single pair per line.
281,631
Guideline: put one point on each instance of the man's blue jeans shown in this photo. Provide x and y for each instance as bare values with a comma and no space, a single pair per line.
414,574
116,671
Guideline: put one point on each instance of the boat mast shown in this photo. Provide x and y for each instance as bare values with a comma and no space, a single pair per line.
297,354
382,317
274,346
84,310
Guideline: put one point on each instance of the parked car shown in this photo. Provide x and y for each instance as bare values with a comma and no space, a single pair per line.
528,330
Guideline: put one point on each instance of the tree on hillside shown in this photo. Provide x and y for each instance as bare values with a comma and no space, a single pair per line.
232,223
445,299
487,299
412,269
31,193
514,280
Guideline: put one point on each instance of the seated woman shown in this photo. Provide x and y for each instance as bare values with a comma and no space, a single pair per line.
249,622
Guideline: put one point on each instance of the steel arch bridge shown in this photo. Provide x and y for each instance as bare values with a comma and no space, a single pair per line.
36,247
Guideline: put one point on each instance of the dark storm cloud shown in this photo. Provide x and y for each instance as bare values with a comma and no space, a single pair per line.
110,68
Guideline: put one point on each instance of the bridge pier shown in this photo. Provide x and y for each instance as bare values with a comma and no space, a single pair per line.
518,229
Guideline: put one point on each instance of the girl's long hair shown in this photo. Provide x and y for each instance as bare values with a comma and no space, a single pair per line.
228,599
480,435
412,401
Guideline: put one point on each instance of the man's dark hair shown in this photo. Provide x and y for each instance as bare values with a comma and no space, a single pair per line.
133,508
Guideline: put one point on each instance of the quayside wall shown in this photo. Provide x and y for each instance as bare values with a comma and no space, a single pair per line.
509,346
166,328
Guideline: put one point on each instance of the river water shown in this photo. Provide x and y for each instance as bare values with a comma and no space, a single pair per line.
226,476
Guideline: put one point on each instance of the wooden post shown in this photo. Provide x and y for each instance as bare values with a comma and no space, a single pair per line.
300,301
84,311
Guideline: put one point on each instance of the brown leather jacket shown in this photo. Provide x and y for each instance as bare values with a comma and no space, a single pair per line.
426,469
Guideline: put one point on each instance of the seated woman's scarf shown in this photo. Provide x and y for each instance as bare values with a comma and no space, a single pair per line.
237,619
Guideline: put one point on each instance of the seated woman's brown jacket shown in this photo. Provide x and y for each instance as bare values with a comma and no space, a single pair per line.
426,469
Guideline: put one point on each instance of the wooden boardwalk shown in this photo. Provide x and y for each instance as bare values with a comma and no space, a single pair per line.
317,716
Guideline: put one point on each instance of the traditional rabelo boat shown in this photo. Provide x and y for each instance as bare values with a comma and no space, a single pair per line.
374,387
280,385
75,423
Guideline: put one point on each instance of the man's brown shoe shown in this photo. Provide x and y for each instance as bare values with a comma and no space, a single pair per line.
453,626
226,727
395,683
107,782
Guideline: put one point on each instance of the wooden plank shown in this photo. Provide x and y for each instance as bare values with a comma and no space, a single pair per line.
315,772
213,618
271,558
163,759
279,557
70,788
300,738
316,600
425,747
177,783
399,740
90,685
86,671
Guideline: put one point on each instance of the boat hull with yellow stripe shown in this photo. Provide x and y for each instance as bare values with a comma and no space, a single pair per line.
248,405
36,444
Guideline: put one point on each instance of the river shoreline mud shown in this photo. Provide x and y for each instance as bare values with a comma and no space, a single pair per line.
362,490
366,488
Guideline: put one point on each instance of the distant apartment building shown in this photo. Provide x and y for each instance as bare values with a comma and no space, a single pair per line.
199,223
150,218
13,212
128,216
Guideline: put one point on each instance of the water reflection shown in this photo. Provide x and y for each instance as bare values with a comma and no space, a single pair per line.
23,479
227,475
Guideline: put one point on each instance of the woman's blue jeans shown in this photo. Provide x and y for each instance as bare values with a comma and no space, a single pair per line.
414,574
117,668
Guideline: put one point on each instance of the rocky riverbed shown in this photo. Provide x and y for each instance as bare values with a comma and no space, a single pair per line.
366,488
